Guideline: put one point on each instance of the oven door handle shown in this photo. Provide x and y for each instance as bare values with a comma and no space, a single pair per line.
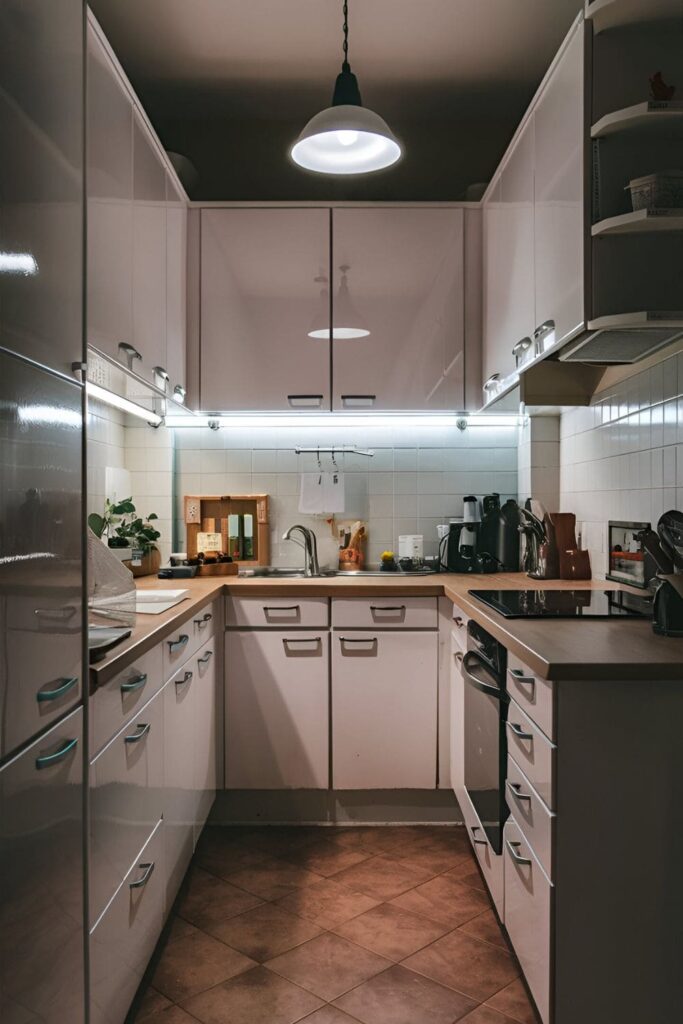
471,662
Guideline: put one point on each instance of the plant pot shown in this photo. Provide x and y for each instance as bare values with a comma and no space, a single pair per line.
150,563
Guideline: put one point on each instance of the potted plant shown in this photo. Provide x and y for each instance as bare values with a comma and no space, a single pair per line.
125,531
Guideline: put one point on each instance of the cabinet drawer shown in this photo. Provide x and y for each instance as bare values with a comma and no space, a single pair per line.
112,705
126,800
385,613
533,694
124,938
490,863
188,638
528,896
533,817
533,752
278,612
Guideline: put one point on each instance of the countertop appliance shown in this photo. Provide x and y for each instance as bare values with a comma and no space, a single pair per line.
565,604
666,550
485,712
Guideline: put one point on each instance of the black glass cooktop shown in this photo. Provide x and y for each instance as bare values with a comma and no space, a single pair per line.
565,604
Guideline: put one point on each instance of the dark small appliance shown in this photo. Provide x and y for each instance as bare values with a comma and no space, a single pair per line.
666,549
499,533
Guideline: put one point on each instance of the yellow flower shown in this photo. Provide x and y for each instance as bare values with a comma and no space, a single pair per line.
387,556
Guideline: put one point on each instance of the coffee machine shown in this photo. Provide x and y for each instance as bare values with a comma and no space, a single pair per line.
666,548
460,549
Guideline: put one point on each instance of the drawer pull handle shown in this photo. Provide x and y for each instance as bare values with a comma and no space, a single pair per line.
315,401
518,677
208,655
269,609
142,730
516,790
66,685
387,608
458,657
186,678
358,640
458,620
480,842
303,640
519,732
204,621
524,861
56,614
176,645
48,759
134,684
147,870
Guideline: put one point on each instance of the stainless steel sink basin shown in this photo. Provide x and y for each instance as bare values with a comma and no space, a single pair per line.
278,572
273,572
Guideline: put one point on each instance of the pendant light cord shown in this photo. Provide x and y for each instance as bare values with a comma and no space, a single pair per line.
346,66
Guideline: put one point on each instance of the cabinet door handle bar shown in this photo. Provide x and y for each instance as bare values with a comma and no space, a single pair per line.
142,730
134,684
59,691
147,870
48,759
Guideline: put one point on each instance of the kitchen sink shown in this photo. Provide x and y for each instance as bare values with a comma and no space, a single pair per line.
277,572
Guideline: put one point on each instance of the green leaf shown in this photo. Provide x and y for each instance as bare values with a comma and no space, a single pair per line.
96,523
152,515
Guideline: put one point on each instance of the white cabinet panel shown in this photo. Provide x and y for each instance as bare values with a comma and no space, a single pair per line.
384,697
176,287
533,752
276,710
259,298
180,739
278,612
533,817
189,636
385,613
559,193
204,769
118,700
405,283
149,252
124,938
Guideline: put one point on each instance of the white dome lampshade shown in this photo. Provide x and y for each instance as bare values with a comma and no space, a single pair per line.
346,138
348,323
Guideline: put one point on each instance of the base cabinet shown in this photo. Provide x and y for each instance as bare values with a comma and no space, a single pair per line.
384,709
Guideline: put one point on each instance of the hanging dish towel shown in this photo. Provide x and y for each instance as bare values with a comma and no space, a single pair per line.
321,493
333,486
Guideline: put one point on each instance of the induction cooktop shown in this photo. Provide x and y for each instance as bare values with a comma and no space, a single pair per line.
565,604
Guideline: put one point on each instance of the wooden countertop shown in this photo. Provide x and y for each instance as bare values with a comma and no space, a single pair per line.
554,649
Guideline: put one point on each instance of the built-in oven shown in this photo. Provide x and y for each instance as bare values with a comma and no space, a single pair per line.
485,744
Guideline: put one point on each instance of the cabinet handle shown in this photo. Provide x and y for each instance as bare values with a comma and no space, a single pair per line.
304,640
204,621
186,678
161,373
479,842
67,684
176,645
56,614
525,861
387,608
516,790
547,327
519,732
179,394
206,659
147,870
130,353
492,382
135,737
520,350
305,400
458,657
518,677
349,400
458,620
370,642
134,684
269,609
48,759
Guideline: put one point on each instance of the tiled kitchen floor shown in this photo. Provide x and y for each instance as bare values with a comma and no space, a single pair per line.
334,926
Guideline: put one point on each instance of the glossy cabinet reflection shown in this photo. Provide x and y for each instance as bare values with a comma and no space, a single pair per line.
149,252
40,549
41,880
404,285
41,177
259,300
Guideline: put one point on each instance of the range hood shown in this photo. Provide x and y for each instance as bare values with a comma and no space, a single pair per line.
623,340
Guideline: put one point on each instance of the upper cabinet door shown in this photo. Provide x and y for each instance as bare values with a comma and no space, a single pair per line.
399,273
259,301
559,193
110,203
149,252
176,288
41,198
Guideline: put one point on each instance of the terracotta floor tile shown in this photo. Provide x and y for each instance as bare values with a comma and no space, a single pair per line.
476,968
435,859
266,931
444,900
399,996
172,1015
207,901
382,877
391,932
329,1015
514,1002
485,1015
276,840
328,965
462,873
326,858
195,962
221,853
271,879
354,836
388,838
151,1003
257,997
327,903
486,927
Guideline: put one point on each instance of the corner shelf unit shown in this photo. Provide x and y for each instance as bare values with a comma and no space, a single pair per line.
650,114
639,222
608,14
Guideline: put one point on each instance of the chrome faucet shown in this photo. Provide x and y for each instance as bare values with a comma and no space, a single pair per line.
310,546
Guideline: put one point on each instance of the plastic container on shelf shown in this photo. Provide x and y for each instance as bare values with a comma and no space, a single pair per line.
662,190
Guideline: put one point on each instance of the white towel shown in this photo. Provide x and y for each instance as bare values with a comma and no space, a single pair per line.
321,493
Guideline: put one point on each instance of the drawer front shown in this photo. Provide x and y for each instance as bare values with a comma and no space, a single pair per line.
126,800
111,706
385,613
124,938
278,612
533,694
188,638
533,752
528,899
490,863
459,630
533,817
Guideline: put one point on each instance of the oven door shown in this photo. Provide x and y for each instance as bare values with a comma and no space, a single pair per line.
486,706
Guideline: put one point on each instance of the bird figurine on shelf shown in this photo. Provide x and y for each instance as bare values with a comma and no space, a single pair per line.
659,89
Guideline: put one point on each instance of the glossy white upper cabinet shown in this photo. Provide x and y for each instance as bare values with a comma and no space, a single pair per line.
176,291
41,199
559,228
509,258
259,300
149,252
110,203
404,283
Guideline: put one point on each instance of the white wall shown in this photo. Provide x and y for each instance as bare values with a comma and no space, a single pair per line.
622,457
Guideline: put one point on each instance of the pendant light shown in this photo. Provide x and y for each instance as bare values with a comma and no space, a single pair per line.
348,323
346,138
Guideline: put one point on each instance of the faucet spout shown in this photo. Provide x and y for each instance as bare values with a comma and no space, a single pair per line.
310,546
